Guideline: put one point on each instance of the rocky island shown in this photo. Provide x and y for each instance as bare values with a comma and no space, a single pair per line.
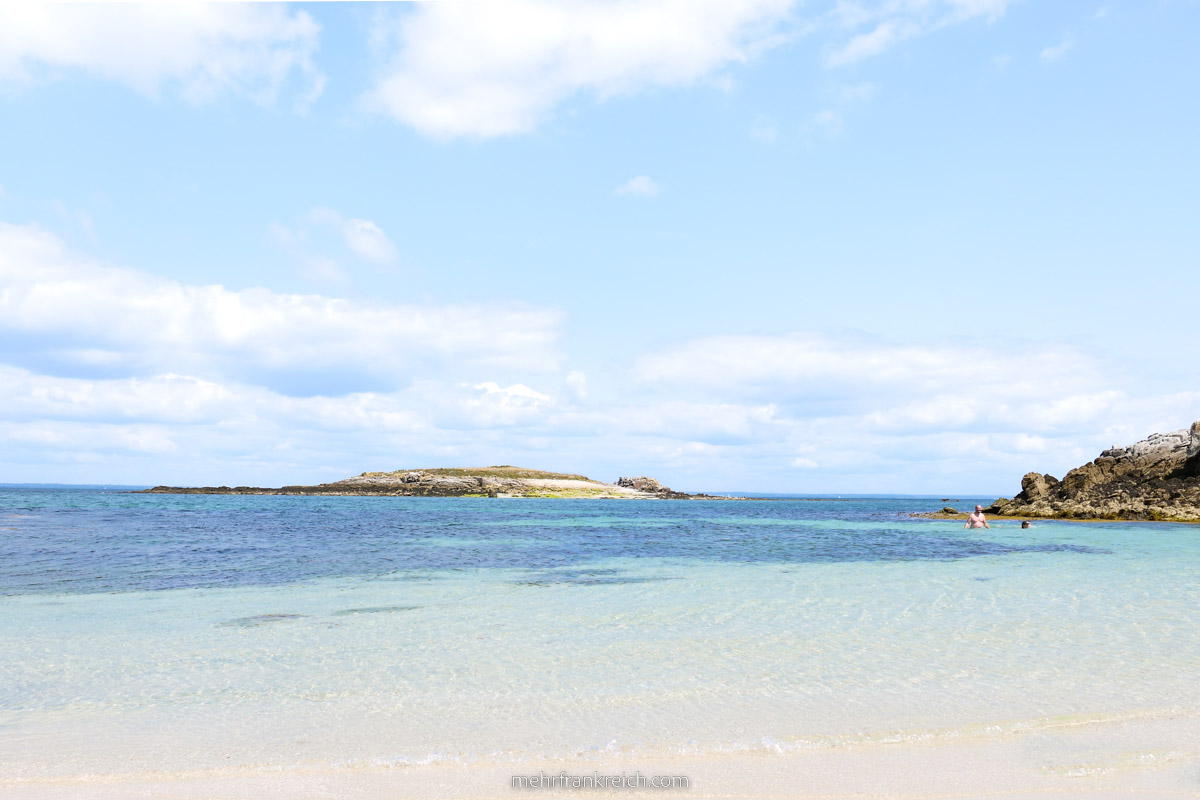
501,481
1157,478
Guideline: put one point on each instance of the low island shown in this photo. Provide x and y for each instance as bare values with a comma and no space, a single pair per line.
500,481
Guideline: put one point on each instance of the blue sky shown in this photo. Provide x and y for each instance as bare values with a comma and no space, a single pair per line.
901,246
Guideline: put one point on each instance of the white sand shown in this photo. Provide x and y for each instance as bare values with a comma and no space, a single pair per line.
1135,758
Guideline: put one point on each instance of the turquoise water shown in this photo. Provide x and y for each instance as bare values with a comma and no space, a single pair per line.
172,633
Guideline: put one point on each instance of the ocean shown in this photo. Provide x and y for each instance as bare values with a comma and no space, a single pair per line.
183,635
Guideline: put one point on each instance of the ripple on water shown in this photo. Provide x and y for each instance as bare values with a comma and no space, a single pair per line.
257,620
374,610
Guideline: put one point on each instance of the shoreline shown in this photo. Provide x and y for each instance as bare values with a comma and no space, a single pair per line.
1133,754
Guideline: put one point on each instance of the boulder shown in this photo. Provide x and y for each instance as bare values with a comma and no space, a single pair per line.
642,484
1035,486
998,506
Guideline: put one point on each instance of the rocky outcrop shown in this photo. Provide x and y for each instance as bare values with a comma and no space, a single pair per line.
644,485
1157,478
503,481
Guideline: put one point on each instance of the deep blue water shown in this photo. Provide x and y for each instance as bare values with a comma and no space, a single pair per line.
78,541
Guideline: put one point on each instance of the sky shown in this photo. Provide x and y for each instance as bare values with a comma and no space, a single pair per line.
893,246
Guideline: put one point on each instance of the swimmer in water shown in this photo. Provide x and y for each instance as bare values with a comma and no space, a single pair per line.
977,520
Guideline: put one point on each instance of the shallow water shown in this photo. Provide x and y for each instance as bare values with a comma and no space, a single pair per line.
158,632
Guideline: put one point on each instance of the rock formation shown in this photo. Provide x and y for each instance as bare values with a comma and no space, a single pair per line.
1157,478
646,485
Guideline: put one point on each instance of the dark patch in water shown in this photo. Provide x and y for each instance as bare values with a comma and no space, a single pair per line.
585,580
84,542
255,621
1063,548
374,610
981,579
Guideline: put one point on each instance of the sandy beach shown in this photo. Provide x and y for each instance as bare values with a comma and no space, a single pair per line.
1129,758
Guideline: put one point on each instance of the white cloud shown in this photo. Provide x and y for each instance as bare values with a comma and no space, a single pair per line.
968,436
486,70
865,45
960,10
764,130
366,239
871,408
641,185
66,308
577,384
497,405
1056,52
858,92
201,49
828,122
483,70
895,21
307,240
684,420
803,358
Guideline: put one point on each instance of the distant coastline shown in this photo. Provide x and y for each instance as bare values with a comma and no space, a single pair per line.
115,487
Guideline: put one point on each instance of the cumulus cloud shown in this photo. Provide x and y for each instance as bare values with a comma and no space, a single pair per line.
167,424
484,70
66,308
452,70
202,50
146,388
874,408
641,185
503,405
172,424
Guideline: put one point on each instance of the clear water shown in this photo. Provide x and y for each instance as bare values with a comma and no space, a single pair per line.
173,633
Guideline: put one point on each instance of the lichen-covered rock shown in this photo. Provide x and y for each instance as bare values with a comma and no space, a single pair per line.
1157,478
